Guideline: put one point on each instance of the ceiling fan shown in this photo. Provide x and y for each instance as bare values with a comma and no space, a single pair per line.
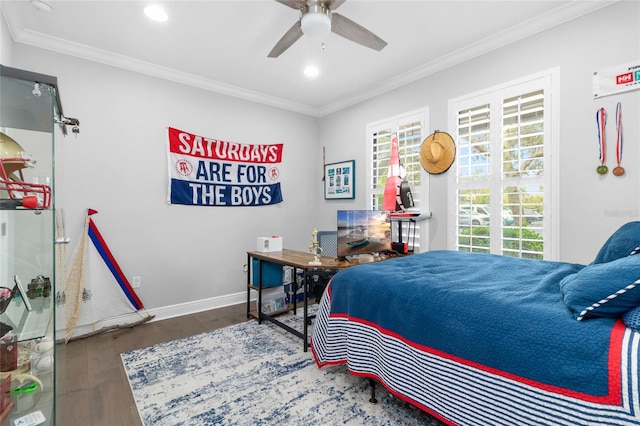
317,18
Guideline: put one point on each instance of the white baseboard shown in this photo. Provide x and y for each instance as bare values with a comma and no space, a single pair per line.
159,314
187,308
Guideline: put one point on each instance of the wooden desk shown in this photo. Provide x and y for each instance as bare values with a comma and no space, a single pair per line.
299,261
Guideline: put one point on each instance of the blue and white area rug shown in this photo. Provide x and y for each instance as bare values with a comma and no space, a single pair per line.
254,374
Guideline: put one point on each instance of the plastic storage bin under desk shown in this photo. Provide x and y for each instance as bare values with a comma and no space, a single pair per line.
271,274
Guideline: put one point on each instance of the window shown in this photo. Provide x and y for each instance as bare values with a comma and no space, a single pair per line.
410,129
502,184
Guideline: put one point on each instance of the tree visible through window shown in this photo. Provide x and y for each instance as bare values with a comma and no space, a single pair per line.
502,174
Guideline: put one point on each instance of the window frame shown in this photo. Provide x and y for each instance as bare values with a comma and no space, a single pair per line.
421,193
494,96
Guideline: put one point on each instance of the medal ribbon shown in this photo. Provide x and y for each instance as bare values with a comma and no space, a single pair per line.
619,129
601,119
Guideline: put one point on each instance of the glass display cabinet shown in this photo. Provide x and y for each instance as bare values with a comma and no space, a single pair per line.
29,111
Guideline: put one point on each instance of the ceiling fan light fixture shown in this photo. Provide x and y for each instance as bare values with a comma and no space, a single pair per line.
317,19
317,23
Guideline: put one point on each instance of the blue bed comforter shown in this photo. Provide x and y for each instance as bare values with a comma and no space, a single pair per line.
500,314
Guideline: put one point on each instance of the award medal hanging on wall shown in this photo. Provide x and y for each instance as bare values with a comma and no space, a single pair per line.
601,119
619,170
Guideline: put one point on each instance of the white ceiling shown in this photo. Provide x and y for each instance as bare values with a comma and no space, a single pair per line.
223,45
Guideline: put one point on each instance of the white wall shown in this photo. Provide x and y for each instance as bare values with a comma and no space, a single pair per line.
6,46
118,166
605,38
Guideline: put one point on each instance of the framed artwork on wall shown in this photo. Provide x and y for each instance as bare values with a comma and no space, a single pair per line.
340,180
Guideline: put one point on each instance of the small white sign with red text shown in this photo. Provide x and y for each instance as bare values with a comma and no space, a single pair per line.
618,79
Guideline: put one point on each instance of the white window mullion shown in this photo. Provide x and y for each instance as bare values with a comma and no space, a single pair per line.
495,181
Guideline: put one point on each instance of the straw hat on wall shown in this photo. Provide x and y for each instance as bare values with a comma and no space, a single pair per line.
437,152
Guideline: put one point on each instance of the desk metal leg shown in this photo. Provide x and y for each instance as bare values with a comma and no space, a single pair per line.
305,332
305,282
249,270
294,286
259,305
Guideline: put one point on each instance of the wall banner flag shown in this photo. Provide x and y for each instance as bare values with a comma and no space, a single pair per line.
618,79
210,172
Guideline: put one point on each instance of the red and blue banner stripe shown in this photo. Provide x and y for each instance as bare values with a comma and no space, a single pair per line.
112,264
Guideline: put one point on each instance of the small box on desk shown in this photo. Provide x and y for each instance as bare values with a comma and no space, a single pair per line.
271,273
269,244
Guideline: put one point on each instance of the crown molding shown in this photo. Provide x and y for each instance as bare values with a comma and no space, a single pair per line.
558,16
533,26
44,41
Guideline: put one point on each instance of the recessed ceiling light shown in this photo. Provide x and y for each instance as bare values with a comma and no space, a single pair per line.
156,13
311,71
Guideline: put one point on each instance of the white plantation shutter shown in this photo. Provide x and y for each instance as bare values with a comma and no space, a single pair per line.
411,131
501,186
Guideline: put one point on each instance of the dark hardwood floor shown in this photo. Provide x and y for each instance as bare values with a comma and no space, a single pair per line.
92,389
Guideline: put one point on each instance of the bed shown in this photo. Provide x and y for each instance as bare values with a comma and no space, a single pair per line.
478,339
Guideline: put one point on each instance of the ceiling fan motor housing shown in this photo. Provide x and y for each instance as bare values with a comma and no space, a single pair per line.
316,20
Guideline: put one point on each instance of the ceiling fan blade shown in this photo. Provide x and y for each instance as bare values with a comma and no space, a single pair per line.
334,4
348,29
293,4
287,40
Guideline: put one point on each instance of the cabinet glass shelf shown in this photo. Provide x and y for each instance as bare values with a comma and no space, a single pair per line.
29,112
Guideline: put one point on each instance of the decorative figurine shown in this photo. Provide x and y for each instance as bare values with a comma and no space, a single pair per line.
315,248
